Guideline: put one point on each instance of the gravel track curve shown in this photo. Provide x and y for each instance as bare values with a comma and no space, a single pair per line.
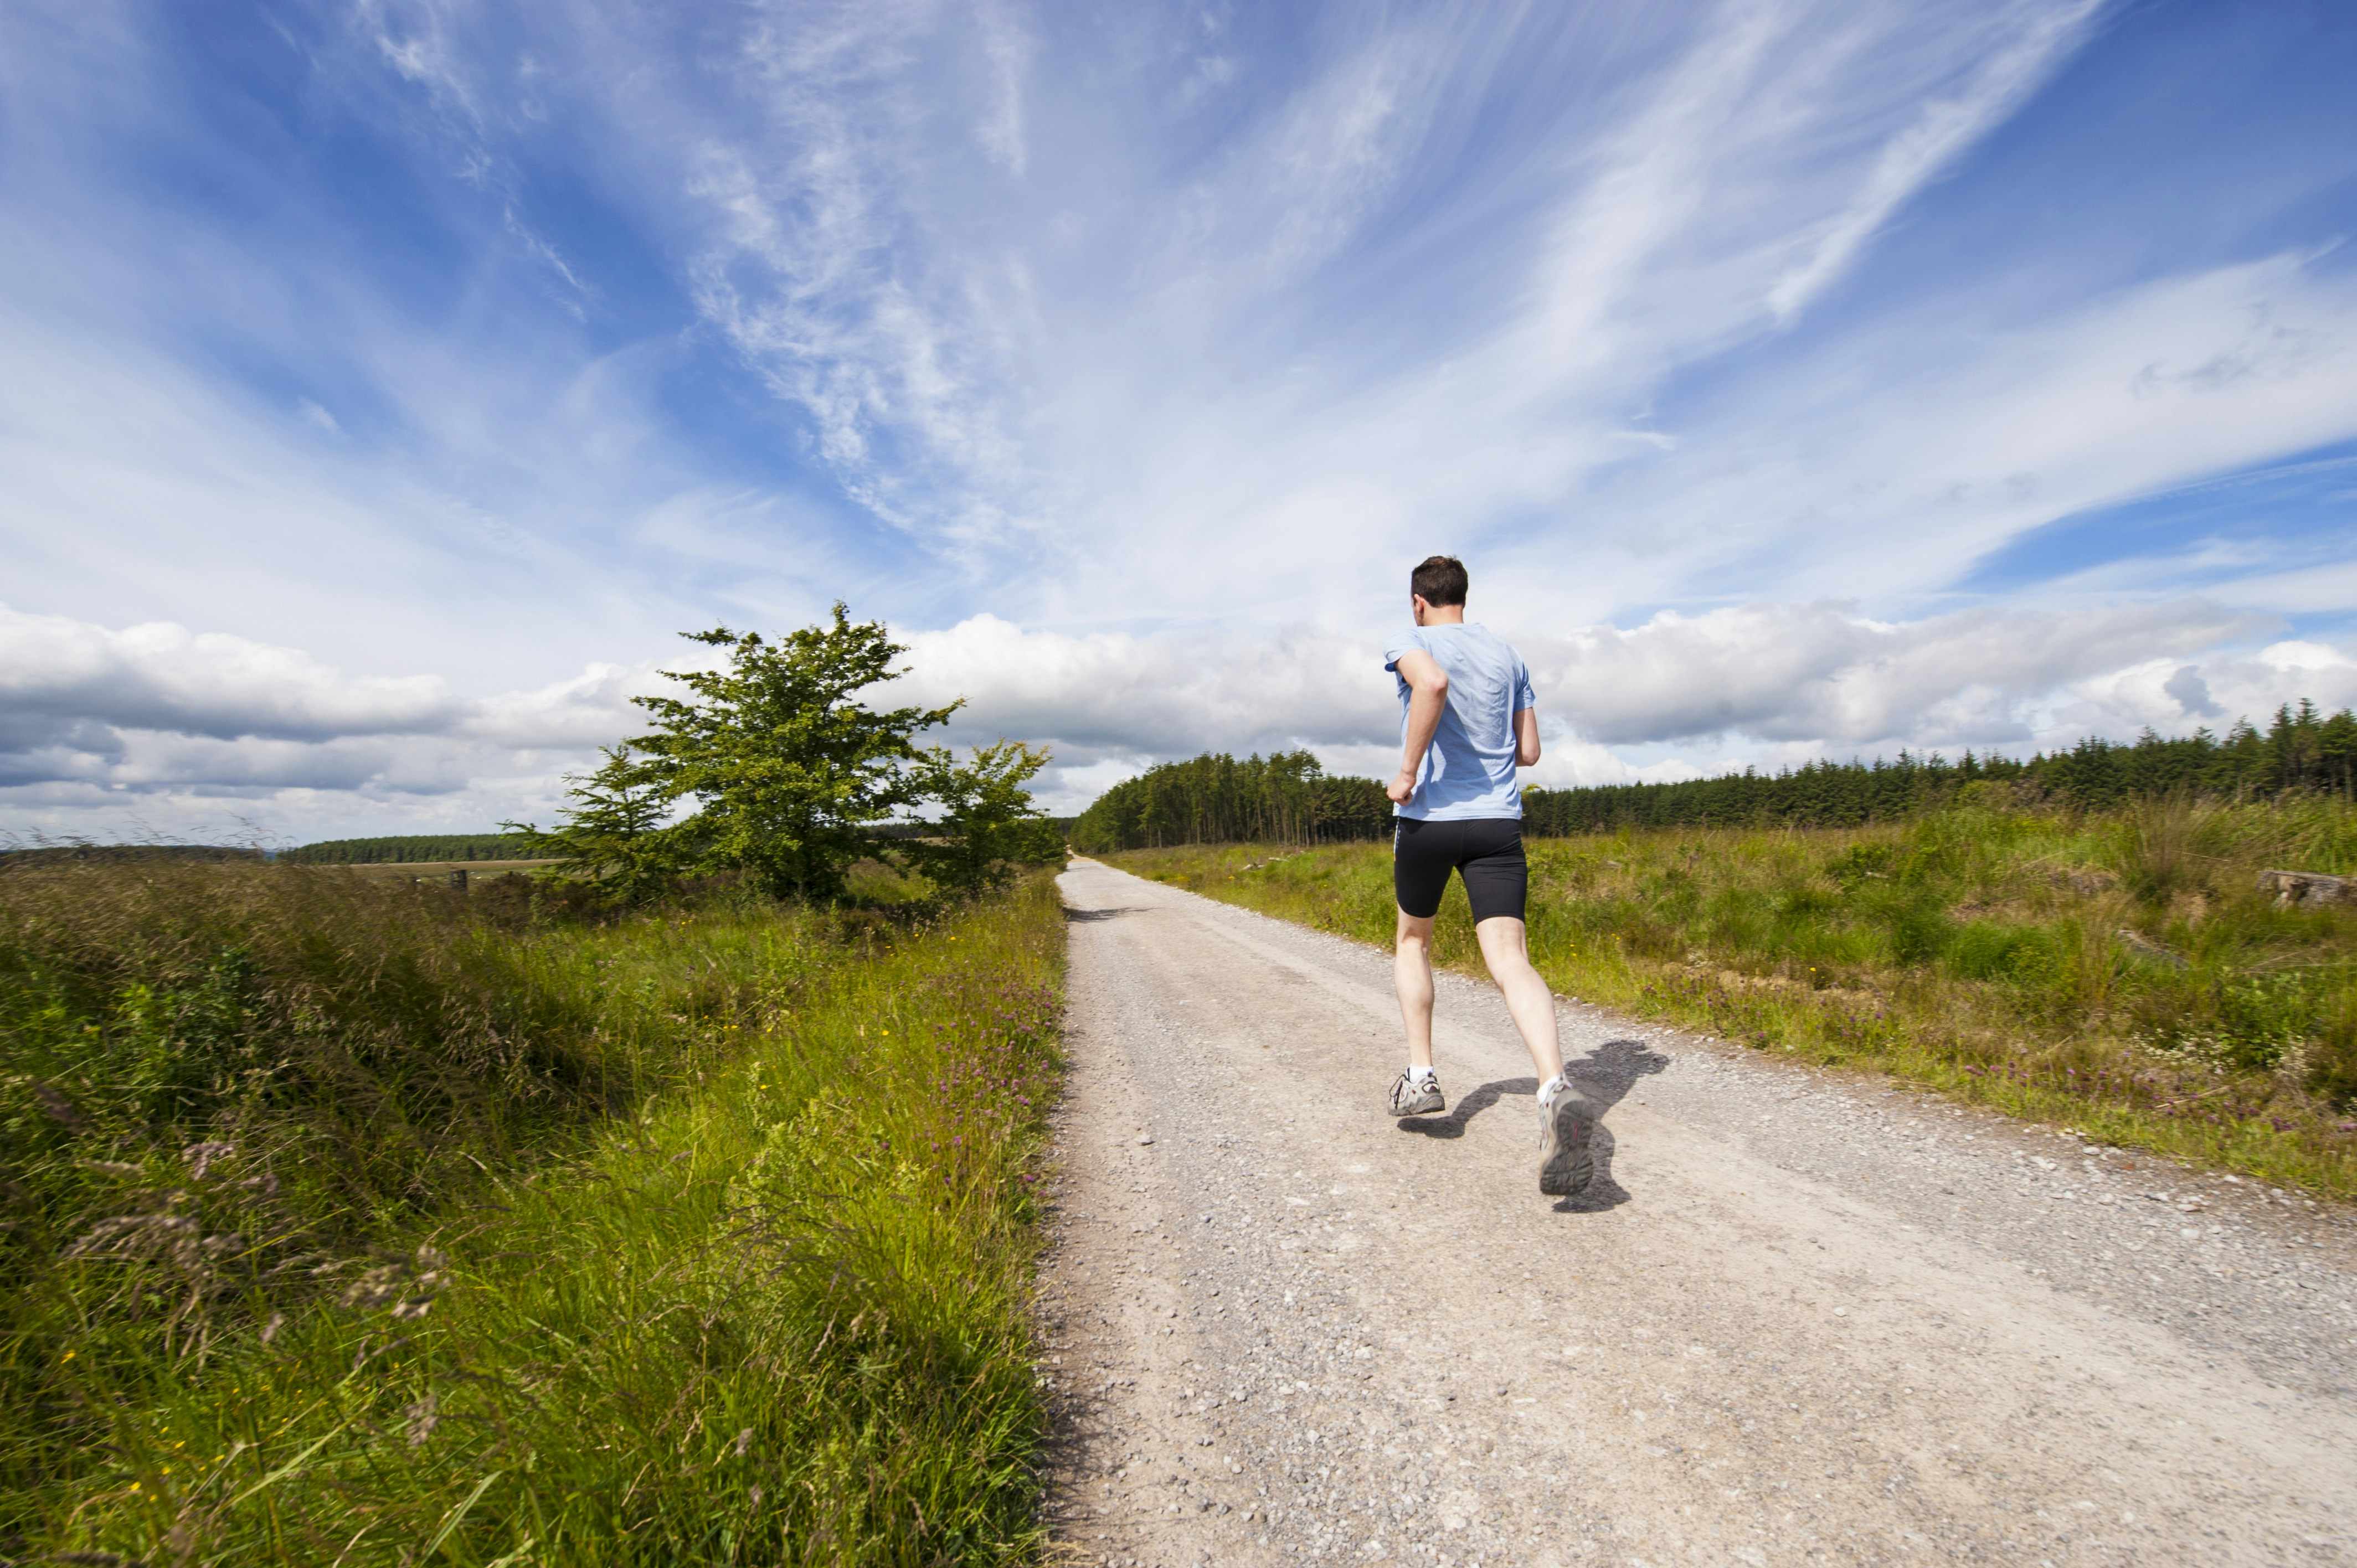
1800,1317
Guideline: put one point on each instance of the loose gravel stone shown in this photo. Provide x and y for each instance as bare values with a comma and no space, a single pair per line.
1799,1317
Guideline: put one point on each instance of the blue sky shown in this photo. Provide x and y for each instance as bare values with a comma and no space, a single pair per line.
388,382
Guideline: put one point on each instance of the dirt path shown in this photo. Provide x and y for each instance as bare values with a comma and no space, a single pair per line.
1800,1318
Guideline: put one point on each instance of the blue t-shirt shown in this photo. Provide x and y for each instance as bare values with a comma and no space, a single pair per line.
1468,773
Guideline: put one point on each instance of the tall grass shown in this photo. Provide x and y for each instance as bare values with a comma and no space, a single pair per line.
2120,972
348,1226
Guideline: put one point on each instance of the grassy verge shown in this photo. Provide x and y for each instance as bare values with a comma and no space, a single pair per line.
2119,975
345,1226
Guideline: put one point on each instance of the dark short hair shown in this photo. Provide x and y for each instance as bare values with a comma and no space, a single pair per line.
1439,581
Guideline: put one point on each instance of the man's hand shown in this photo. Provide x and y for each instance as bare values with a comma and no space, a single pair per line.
1402,789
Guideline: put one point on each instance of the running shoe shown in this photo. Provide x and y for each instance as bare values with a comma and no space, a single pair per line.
1413,1096
1567,1123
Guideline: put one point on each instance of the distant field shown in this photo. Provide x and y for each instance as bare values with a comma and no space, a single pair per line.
408,849
2120,973
473,868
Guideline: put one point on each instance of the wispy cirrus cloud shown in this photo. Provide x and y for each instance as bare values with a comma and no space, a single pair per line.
1758,353
2027,45
962,371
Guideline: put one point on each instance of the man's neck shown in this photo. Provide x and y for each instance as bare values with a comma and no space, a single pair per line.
1442,615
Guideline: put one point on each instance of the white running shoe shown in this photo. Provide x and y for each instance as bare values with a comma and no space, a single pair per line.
1413,1096
1567,1123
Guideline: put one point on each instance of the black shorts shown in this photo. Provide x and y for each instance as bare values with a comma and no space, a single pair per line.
1487,852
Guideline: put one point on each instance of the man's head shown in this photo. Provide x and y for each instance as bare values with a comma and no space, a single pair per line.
1439,583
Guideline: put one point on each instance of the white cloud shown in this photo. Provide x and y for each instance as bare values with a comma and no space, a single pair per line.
1173,382
1009,53
1328,437
161,676
2216,691
1209,363
590,710
415,40
164,725
1166,694
1689,693
2328,587
158,720
819,270
1823,674
2027,49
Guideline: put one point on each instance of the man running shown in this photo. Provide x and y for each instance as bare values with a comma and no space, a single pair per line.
1467,719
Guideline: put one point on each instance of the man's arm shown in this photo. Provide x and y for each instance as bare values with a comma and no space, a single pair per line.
1428,687
1526,737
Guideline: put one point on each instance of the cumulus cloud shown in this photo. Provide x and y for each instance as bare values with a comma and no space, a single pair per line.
1824,674
186,726
592,709
59,672
1166,693
95,719
2171,697
1678,695
1068,335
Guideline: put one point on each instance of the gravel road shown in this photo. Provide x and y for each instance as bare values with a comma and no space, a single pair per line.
1800,1317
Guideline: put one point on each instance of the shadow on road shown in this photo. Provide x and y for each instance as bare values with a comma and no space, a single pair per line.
1606,1075
1084,917
1453,1124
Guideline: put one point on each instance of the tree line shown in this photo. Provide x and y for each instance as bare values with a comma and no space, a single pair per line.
400,849
1286,799
1213,798
2301,750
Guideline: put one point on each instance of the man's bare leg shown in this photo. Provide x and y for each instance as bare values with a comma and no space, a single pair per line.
1566,1116
1411,978
1505,948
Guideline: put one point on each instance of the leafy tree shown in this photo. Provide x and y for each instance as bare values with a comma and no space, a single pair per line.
988,828
612,829
789,772
787,767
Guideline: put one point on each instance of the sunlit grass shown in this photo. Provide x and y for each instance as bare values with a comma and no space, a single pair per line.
2122,974
742,1282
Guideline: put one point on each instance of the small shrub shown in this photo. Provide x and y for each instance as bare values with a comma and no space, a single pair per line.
2022,956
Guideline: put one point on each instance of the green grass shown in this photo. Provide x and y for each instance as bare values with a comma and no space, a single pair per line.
1977,950
348,1225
